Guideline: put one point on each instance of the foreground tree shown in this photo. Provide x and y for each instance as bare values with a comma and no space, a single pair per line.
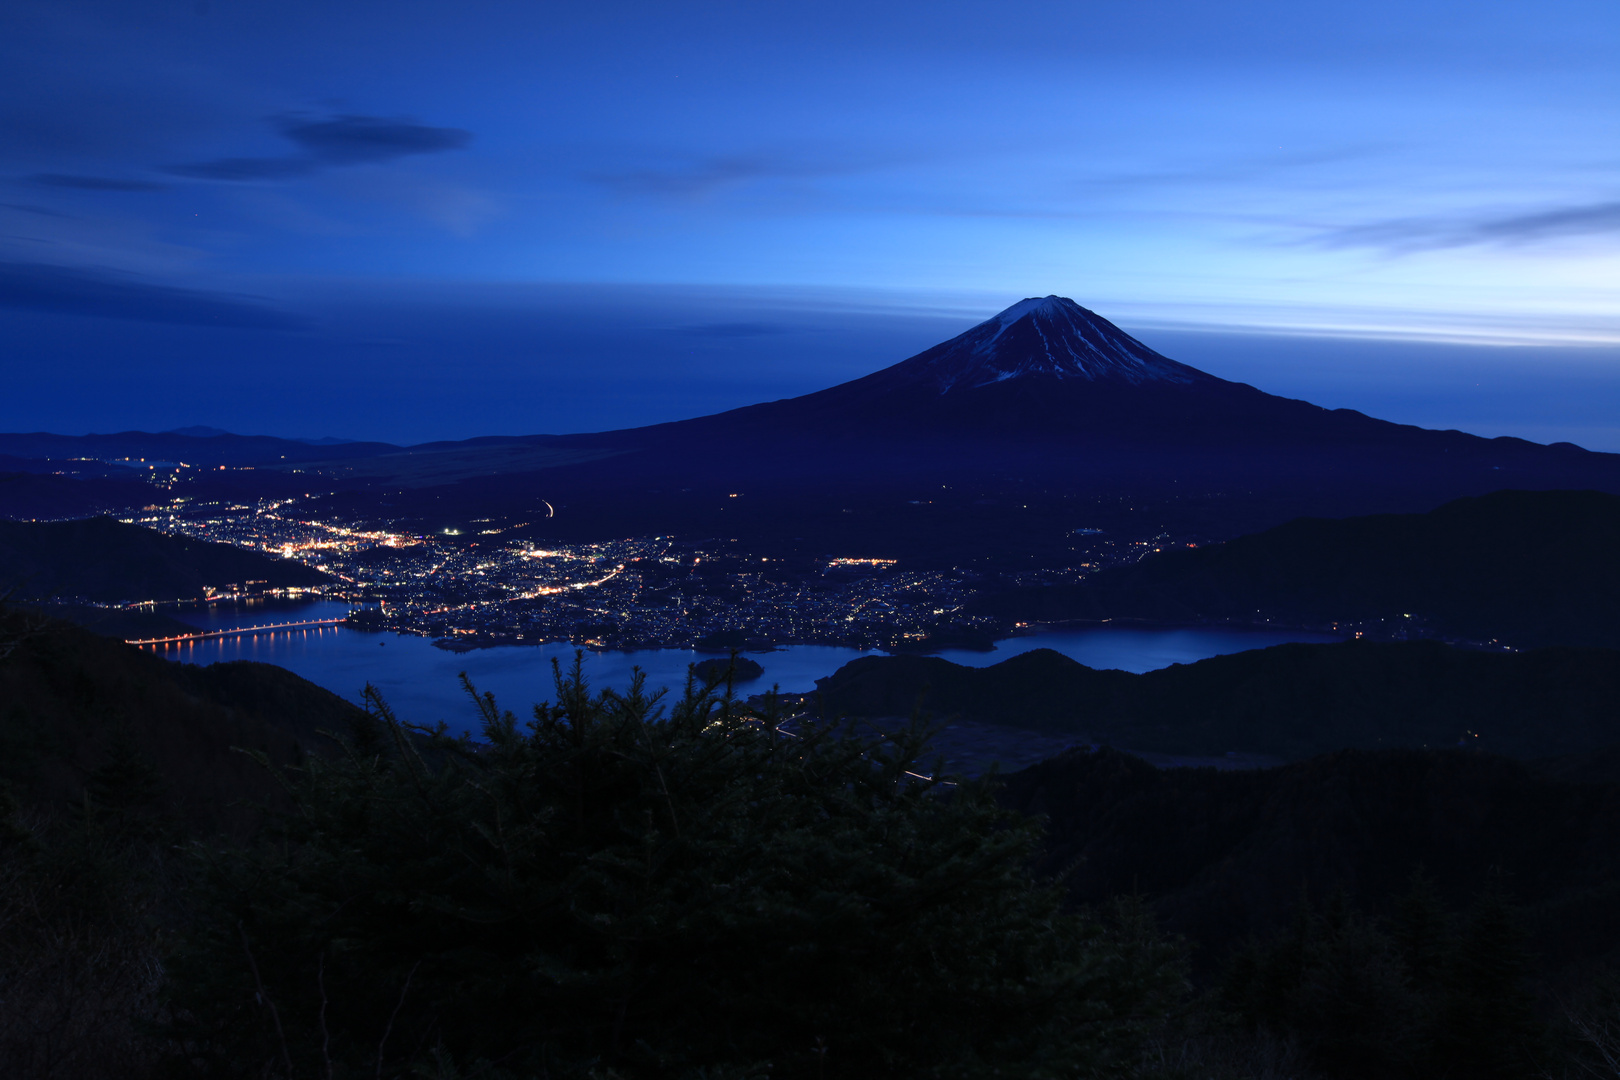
614,889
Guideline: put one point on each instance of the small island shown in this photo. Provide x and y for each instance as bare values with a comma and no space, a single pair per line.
713,671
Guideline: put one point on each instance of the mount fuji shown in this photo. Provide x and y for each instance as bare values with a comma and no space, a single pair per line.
1061,396
1046,411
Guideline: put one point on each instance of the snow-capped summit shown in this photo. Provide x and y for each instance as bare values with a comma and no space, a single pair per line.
1051,337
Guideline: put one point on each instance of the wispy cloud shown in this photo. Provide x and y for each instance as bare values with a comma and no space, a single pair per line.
29,208
71,291
340,141
1428,233
247,168
1235,171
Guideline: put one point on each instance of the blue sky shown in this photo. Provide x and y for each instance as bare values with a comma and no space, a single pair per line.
422,220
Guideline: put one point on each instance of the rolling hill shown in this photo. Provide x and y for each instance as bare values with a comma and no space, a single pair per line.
1288,701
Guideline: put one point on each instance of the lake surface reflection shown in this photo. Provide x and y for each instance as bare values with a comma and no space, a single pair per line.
420,681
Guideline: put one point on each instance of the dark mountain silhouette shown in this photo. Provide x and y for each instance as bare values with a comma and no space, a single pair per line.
198,431
194,446
30,490
123,623
1289,701
51,477
107,561
1525,568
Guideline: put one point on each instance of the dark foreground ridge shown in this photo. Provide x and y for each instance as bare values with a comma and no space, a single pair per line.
75,706
1228,855
1290,701
571,892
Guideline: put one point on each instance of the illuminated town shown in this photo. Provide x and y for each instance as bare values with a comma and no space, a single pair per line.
477,586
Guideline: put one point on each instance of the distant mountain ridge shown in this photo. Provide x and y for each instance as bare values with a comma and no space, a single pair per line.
203,431
194,446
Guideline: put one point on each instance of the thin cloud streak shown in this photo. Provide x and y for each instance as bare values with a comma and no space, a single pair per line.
1227,173
246,169
29,208
60,290
700,178
1424,234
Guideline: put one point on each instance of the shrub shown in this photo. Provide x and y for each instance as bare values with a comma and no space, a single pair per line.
619,889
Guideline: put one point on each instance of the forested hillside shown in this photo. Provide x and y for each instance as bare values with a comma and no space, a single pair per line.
662,869
1521,568
1397,913
74,705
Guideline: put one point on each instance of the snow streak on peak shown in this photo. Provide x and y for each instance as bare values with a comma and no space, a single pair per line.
1050,337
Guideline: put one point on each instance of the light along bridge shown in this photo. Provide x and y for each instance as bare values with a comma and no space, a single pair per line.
246,631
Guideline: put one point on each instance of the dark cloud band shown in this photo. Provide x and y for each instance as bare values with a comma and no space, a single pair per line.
247,169
93,183
343,140
352,140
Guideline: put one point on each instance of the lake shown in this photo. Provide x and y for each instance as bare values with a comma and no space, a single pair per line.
420,681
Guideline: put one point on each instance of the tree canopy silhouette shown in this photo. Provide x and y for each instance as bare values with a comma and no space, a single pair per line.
652,889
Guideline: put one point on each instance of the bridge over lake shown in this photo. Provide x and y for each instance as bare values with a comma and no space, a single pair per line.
244,631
